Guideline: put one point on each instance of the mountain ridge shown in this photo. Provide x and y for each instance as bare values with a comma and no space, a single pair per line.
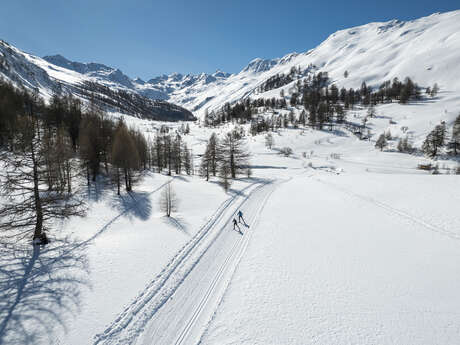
110,90
425,49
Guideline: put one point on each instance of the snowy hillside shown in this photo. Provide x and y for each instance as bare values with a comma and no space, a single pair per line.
426,49
109,87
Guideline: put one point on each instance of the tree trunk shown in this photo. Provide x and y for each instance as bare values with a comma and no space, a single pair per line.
130,188
118,181
87,174
69,177
38,233
126,180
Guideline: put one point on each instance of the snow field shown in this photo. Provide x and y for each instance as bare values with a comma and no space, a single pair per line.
337,269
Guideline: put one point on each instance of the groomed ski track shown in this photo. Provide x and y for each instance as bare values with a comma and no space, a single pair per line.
177,305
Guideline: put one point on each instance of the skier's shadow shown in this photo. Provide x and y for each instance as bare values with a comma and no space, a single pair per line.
244,223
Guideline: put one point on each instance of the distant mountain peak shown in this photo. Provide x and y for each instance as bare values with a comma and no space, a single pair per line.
76,66
138,80
221,74
260,65
57,59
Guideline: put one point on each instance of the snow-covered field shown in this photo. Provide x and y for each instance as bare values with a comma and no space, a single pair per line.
348,260
346,244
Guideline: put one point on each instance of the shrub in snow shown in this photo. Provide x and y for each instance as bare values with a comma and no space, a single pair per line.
286,151
269,141
404,145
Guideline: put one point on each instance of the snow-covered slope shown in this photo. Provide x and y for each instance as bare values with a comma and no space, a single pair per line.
108,86
426,49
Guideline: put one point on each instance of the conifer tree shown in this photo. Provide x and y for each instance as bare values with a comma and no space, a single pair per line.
205,166
434,90
187,159
454,143
435,140
90,146
381,142
233,152
404,145
214,154
177,154
125,157
158,152
224,174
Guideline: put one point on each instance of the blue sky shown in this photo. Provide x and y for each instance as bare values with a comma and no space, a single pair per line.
148,38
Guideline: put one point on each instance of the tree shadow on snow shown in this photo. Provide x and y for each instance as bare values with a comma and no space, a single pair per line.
133,204
181,178
97,190
40,289
177,222
267,167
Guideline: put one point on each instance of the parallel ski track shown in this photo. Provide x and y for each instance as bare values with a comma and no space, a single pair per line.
394,211
136,315
234,257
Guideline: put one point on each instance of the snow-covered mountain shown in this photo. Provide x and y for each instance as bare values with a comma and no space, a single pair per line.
161,87
425,49
110,87
96,70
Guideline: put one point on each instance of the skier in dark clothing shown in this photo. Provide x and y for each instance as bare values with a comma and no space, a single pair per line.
241,219
235,225
240,216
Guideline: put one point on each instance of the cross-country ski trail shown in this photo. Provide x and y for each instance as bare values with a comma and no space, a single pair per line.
179,309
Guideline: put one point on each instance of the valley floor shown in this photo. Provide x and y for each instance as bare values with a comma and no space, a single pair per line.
328,264
345,245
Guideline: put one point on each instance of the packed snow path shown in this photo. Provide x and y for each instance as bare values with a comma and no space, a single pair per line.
177,306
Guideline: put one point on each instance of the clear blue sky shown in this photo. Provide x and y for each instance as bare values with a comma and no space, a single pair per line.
148,38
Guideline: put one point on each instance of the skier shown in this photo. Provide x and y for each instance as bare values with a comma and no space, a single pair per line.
235,225
241,219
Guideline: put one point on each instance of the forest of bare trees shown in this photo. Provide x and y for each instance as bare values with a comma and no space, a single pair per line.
47,151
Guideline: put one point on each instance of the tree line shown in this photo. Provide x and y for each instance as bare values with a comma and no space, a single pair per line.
322,103
226,157
436,140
